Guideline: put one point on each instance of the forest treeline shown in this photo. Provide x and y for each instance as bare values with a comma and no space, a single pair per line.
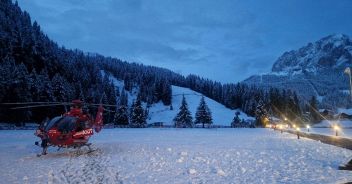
36,69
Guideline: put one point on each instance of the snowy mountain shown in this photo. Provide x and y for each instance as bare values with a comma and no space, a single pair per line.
313,70
331,52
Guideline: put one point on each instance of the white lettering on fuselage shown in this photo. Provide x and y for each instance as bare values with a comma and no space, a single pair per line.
84,132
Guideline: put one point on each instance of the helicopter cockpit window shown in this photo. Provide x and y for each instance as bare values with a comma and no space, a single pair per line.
52,123
66,124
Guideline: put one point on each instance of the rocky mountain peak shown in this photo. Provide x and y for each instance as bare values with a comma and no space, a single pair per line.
331,52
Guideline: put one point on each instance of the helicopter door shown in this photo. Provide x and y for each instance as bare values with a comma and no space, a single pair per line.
66,124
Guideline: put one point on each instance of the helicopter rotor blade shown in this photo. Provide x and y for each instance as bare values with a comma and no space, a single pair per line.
107,105
36,106
24,103
108,110
47,104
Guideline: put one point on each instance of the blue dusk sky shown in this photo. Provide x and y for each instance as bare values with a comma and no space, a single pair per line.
223,40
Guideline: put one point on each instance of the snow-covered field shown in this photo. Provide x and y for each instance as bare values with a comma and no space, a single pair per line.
176,156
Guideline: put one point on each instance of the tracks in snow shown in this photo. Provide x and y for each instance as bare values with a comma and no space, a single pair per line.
93,167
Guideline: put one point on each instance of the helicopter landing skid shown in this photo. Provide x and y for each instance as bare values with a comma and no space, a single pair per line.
88,145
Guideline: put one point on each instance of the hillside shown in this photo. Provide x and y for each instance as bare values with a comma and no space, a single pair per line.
221,115
159,112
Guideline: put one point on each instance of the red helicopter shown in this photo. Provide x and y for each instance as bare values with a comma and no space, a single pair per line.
71,130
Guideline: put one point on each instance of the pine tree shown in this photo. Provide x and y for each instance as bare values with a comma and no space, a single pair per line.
59,90
44,87
183,119
146,114
110,93
261,114
20,91
127,82
296,109
106,116
203,114
138,119
313,110
130,110
166,93
236,120
123,100
121,116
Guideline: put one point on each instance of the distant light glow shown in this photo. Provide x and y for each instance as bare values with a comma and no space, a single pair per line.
336,127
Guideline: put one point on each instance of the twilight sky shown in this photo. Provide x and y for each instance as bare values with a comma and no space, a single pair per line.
224,40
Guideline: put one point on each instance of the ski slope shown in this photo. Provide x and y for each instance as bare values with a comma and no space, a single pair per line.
221,115
160,113
176,156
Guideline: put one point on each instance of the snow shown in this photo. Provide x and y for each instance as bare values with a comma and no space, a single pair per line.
279,73
337,39
340,61
349,48
221,115
120,85
151,156
319,97
299,72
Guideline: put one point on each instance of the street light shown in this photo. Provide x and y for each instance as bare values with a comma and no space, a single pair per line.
281,127
308,128
336,128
